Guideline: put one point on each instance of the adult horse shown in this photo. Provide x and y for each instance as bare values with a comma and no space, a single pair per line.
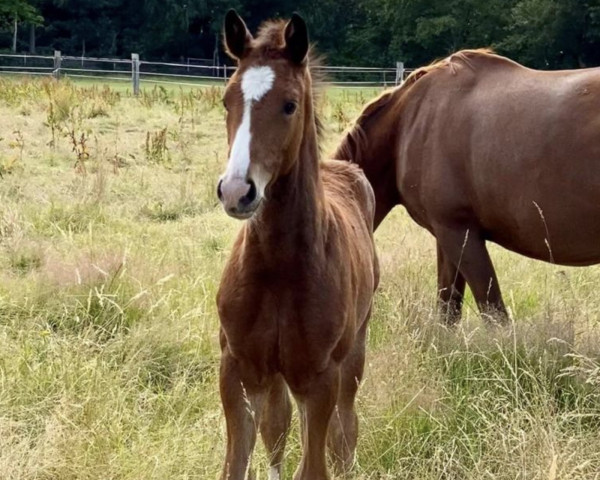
296,293
477,148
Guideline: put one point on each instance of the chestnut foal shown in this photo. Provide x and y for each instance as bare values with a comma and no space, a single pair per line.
296,293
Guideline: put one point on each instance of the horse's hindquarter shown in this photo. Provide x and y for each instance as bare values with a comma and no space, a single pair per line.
516,152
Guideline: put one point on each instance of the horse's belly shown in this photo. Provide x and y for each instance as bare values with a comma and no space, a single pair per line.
544,204
538,212
566,234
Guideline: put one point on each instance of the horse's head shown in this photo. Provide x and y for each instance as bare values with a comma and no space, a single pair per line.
266,108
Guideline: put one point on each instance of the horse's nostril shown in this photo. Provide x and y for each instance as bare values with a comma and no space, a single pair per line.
250,196
219,192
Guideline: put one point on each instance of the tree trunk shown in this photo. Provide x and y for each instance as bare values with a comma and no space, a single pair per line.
14,45
216,51
32,38
113,45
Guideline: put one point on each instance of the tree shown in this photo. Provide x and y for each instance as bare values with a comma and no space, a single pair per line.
13,12
539,33
186,28
417,32
555,33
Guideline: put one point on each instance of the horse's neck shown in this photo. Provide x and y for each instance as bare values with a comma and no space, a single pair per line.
370,143
292,216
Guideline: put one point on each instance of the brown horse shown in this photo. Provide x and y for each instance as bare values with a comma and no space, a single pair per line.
477,148
296,294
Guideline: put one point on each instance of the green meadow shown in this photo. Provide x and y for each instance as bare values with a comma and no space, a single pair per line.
111,247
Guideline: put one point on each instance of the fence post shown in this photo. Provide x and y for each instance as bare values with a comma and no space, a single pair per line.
57,63
135,73
399,73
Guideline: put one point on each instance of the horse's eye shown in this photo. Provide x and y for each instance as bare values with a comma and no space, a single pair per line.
289,108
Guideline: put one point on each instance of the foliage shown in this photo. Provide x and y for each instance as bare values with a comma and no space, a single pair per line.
555,33
156,149
19,10
539,33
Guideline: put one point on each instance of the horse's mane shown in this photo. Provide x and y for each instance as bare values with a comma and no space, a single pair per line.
269,43
463,57
355,142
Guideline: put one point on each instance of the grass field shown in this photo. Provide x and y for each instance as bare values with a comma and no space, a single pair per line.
112,244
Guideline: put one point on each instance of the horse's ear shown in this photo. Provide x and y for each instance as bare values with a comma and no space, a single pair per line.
296,39
237,36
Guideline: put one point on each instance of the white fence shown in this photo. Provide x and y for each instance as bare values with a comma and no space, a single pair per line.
139,72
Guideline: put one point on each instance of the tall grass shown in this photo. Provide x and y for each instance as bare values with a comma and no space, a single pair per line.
109,334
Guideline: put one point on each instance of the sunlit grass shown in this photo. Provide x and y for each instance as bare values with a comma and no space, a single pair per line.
108,327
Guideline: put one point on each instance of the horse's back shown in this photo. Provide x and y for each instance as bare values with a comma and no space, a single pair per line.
346,185
511,150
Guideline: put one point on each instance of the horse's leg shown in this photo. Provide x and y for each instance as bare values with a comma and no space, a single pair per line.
465,248
274,426
242,404
343,427
316,404
451,288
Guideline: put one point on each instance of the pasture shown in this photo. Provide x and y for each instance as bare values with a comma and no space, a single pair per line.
112,244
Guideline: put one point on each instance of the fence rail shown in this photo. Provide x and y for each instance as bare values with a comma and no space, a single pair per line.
139,71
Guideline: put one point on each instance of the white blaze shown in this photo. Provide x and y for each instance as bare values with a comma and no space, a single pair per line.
256,82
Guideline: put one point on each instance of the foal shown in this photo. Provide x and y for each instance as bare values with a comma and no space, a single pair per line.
296,293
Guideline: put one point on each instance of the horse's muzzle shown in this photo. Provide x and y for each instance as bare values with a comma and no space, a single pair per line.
238,196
